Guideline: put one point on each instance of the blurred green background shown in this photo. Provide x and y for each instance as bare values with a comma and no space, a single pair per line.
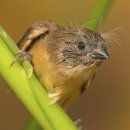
106,104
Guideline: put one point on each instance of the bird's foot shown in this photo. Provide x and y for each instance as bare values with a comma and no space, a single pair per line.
22,55
78,124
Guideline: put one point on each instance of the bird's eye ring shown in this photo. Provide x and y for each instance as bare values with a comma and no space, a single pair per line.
81,45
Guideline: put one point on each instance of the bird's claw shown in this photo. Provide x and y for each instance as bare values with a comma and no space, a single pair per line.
22,54
78,124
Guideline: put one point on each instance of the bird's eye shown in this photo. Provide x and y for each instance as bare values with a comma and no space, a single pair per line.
81,45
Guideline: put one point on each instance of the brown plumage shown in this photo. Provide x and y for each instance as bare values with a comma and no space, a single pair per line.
64,59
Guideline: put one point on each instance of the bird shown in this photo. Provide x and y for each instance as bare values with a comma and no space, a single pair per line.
64,58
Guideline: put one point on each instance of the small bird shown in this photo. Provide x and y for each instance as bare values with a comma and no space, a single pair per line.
64,59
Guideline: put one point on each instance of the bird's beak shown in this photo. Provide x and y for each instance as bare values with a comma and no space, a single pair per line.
100,54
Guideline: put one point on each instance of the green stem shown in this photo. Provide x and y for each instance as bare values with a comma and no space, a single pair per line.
29,90
32,124
98,14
